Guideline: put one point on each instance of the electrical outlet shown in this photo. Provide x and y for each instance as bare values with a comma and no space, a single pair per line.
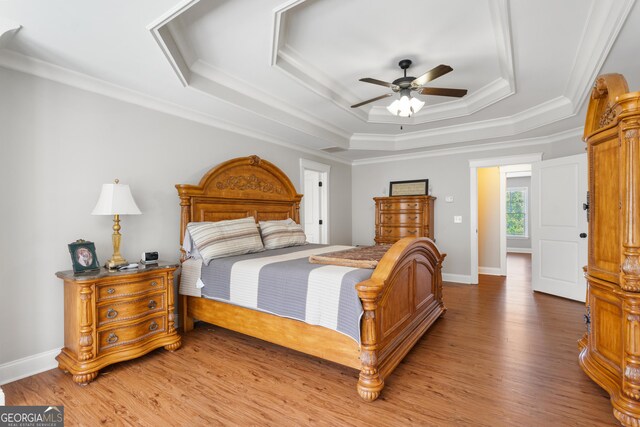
448,199
457,219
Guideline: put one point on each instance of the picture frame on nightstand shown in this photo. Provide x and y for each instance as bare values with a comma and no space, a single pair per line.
83,256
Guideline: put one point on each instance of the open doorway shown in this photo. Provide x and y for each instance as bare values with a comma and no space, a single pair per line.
495,170
314,178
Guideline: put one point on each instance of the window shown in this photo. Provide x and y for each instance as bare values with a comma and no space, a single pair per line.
517,212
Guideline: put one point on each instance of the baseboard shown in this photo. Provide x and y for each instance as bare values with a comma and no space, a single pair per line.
27,366
492,271
519,250
456,278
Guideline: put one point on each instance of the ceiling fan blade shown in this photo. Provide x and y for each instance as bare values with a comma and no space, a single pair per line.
432,74
370,100
381,83
441,91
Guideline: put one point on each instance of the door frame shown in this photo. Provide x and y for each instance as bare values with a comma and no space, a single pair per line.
325,172
474,164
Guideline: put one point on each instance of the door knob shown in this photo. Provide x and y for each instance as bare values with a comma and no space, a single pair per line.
583,235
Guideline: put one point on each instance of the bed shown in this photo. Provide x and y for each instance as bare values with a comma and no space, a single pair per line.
400,301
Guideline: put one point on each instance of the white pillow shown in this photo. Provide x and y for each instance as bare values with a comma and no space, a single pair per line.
282,234
225,238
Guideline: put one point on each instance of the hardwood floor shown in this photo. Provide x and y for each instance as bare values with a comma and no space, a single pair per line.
501,356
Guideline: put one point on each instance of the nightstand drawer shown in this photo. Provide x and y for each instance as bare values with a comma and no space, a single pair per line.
127,289
118,311
113,338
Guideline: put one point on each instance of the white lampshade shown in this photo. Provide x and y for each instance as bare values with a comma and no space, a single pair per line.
116,199
405,106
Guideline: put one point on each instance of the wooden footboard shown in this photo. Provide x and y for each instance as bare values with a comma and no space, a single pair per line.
401,300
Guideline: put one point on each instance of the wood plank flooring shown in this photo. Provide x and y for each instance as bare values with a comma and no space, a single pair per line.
501,356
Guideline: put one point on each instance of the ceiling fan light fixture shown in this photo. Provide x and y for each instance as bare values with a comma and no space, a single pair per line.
405,106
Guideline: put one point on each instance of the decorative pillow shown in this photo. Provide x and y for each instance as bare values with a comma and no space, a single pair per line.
282,234
225,238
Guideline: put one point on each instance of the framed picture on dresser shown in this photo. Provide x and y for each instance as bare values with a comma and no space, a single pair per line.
416,187
83,256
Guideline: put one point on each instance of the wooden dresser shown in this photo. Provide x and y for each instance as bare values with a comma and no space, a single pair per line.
610,349
115,316
403,216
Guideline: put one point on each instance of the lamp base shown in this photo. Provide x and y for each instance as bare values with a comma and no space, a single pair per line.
115,262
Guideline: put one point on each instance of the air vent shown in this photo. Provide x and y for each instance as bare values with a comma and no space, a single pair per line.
333,149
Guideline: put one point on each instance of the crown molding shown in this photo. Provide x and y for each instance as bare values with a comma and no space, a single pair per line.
246,95
603,26
26,64
293,64
560,136
162,34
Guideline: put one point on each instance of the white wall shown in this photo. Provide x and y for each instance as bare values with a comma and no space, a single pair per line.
448,175
517,242
488,218
58,146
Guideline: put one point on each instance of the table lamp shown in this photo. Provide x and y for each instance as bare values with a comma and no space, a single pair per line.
116,199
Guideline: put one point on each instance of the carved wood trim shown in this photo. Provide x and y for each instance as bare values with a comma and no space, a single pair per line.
630,177
85,340
603,109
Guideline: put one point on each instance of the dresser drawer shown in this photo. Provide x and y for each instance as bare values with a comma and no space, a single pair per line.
399,232
113,338
401,206
133,288
405,218
128,309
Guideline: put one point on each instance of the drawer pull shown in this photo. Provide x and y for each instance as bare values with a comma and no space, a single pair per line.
387,217
152,305
153,326
154,283
387,231
387,206
414,218
111,313
111,291
412,231
112,338
415,205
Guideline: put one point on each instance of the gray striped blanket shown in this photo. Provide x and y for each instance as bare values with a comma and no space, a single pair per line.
283,282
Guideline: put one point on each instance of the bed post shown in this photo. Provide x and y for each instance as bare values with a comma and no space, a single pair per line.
370,384
185,218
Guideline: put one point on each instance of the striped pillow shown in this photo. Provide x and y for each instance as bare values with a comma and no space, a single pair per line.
280,234
225,238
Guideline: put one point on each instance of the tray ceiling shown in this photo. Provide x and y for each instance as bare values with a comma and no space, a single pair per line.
288,71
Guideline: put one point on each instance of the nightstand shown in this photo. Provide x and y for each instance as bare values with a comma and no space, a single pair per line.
114,316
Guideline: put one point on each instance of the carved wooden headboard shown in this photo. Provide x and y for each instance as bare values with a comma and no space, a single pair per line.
239,188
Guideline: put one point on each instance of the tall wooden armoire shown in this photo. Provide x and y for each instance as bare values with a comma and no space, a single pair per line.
610,350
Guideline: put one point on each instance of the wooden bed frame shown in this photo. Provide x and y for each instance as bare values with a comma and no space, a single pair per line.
401,300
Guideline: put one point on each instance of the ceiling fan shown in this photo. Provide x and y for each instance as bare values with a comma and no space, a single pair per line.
408,105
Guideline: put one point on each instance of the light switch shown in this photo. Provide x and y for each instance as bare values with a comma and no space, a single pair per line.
457,219
448,199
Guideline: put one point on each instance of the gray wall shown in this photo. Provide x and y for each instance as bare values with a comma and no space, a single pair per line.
59,145
520,243
448,175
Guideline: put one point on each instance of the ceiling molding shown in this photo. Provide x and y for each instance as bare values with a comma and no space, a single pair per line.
294,65
505,160
162,34
538,116
26,64
557,137
246,95
602,29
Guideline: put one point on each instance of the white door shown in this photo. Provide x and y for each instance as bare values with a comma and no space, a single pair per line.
559,226
312,205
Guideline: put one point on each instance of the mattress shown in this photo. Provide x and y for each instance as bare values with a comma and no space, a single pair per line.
283,282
